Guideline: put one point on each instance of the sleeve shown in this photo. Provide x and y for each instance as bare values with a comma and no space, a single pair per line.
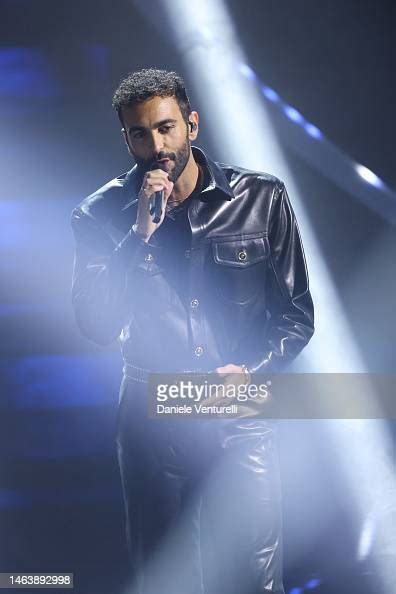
102,272
290,307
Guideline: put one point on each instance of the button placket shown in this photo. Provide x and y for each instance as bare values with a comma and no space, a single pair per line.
199,351
149,261
195,313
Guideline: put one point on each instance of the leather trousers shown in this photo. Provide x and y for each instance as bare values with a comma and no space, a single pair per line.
202,501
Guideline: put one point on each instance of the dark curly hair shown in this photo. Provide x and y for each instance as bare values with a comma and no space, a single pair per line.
151,82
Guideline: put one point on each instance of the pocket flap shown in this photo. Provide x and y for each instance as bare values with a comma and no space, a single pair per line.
240,252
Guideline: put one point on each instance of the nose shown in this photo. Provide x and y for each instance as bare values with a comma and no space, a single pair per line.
157,141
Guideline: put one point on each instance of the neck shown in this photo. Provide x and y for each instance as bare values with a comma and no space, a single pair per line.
186,182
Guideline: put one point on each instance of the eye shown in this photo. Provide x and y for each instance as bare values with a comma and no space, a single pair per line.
164,129
138,134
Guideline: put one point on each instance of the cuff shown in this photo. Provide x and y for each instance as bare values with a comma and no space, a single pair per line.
133,251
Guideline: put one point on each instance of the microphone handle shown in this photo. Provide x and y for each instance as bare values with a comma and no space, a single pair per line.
156,209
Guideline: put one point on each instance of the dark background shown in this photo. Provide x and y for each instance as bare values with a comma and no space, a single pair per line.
333,61
60,501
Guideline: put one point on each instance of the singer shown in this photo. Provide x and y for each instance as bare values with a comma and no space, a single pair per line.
193,265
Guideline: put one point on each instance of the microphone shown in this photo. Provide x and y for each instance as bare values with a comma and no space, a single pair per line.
156,204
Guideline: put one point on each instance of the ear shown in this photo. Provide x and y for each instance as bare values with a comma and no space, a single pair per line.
124,134
193,118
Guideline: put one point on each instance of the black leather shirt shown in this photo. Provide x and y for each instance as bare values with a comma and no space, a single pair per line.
226,284
174,236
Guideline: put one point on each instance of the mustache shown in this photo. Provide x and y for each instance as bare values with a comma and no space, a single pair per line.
155,165
144,165
163,155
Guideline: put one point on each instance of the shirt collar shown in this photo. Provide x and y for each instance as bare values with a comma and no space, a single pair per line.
214,176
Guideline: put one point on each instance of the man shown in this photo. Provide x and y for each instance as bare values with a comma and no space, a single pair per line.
218,285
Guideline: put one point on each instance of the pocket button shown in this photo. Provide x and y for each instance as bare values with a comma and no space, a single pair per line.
242,256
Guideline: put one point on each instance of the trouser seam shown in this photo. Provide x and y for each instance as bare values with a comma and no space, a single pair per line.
200,546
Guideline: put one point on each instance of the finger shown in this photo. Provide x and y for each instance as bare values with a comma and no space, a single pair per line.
151,189
157,174
168,190
158,180
229,368
218,396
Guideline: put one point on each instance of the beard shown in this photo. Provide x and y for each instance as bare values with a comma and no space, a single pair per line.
180,159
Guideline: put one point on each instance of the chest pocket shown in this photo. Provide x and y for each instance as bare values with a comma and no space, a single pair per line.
239,268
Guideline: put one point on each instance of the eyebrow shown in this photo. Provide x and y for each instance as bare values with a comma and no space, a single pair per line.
156,125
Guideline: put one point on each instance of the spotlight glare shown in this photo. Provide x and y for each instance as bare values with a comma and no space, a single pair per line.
270,93
293,114
313,131
313,583
366,539
369,176
246,71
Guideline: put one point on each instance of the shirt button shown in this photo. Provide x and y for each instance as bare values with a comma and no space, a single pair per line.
198,351
187,253
148,258
242,256
194,303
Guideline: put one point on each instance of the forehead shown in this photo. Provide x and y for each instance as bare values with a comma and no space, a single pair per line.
151,111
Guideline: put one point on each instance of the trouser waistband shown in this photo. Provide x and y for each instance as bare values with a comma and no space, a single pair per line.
140,374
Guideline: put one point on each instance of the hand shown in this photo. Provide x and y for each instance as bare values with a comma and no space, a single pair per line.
155,180
252,404
233,374
230,375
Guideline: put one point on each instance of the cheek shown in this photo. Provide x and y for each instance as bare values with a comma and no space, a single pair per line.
178,136
138,149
